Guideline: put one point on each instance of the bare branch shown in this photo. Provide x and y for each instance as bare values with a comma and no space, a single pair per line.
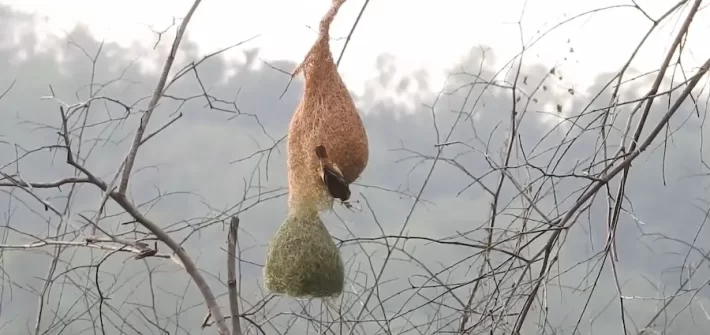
232,276
157,93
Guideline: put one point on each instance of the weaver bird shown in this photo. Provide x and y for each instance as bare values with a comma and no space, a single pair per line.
332,177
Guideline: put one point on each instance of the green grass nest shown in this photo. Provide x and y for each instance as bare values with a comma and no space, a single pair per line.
302,260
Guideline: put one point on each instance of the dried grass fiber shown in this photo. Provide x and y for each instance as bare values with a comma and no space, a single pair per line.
325,116
302,259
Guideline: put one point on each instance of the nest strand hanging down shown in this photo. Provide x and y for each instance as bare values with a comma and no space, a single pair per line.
327,150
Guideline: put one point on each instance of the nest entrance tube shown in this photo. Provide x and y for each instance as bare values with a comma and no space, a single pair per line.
303,260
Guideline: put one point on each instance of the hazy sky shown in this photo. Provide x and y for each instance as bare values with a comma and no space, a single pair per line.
420,34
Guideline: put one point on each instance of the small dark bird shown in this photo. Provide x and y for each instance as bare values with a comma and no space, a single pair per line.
332,176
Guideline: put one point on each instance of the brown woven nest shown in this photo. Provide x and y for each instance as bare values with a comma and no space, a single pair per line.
325,116
302,259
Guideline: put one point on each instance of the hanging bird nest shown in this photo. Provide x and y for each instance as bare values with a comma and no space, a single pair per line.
327,150
326,116
302,260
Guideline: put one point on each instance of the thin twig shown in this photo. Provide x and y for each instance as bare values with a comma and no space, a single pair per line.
352,30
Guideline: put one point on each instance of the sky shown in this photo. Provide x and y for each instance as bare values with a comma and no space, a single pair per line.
186,178
429,35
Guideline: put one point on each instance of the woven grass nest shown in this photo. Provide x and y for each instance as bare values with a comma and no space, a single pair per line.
302,259
326,116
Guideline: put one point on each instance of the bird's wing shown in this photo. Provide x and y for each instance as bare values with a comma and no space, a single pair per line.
335,182
334,171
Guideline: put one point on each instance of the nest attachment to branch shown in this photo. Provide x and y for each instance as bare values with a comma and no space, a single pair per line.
302,259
